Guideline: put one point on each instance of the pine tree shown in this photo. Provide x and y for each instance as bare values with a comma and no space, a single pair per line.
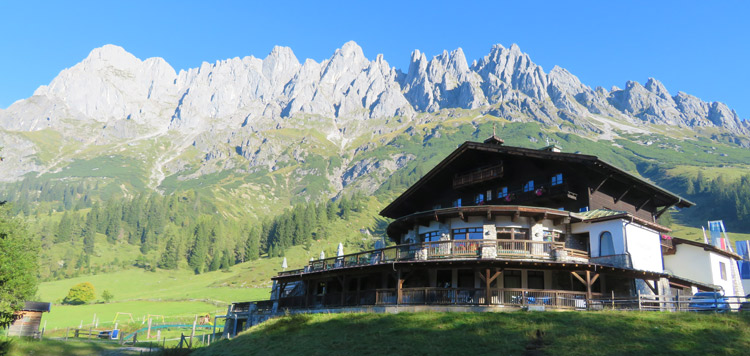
64,229
199,251
89,233
170,257
252,244
215,261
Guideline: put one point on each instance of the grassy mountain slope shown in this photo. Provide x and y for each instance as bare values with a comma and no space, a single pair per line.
310,168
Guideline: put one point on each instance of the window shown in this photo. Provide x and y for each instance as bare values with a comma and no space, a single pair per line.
535,279
473,233
430,236
723,271
529,186
551,235
584,209
502,192
606,245
512,279
512,233
479,199
457,203
557,179
489,194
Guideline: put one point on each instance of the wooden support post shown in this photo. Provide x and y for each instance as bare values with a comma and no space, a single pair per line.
588,286
487,283
343,289
399,285
359,288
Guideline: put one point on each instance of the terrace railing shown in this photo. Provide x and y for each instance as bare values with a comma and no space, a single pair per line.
557,299
437,250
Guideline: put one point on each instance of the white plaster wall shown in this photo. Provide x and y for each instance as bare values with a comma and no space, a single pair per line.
690,262
644,247
715,258
615,227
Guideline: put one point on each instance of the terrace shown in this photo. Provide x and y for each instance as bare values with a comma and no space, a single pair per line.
448,250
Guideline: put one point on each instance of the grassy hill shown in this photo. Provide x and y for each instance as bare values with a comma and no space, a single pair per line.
512,333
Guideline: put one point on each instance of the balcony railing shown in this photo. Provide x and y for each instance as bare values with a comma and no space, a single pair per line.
440,250
559,299
481,175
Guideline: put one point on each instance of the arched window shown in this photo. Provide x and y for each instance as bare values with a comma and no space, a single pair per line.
606,245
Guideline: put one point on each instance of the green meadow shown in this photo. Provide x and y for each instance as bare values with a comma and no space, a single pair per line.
503,333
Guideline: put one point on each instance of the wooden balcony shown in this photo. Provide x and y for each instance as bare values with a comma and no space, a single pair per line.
443,250
478,176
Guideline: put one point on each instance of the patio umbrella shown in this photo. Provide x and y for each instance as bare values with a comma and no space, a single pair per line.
340,251
283,264
322,255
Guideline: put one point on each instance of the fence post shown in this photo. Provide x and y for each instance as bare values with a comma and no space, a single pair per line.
639,300
66,333
89,333
613,299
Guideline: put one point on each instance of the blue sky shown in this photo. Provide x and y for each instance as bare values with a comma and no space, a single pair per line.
695,47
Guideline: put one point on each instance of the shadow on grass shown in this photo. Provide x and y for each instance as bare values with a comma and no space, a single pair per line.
552,333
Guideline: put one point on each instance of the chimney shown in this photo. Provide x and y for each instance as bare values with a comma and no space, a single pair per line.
552,148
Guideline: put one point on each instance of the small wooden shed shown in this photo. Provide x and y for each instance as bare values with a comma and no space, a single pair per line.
28,319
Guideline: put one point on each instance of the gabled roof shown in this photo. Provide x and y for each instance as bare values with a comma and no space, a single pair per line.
706,247
593,162
606,214
36,306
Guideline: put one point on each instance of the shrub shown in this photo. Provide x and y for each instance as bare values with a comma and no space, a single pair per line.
81,293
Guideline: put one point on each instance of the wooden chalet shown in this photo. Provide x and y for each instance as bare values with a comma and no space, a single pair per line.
494,226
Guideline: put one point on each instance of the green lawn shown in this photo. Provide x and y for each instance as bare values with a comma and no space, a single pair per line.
21,347
62,316
138,284
563,333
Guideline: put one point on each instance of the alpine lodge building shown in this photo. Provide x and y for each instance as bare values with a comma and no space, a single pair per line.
494,227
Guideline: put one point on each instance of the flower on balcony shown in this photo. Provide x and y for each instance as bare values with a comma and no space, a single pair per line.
666,237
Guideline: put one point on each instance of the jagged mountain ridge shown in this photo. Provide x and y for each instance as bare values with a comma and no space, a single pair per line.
237,108
111,84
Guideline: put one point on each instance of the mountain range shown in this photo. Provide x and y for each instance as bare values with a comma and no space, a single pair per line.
251,115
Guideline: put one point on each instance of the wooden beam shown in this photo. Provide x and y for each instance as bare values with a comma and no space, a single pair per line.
593,280
399,286
515,216
578,277
343,289
489,214
588,285
538,218
623,194
462,216
640,206
488,295
601,184
560,221
653,288
658,214
494,276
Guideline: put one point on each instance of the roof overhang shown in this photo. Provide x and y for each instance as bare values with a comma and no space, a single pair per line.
666,197
706,247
